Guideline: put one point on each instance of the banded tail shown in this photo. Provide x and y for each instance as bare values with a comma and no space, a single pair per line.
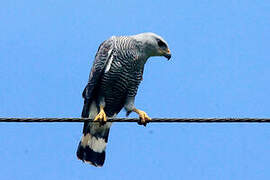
91,148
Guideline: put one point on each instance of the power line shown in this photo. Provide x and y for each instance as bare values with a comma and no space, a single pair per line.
154,120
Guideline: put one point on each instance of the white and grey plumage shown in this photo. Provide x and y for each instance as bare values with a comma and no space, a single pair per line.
113,82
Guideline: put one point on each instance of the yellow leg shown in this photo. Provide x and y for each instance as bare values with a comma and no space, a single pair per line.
143,117
101,117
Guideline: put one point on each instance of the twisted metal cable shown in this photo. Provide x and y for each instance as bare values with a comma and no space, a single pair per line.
154,120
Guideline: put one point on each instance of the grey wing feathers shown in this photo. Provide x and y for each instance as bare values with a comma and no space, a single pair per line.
101,59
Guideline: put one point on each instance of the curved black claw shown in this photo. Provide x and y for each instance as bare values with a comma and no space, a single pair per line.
142,122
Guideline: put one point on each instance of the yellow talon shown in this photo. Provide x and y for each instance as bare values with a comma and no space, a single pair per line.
101,117
143,117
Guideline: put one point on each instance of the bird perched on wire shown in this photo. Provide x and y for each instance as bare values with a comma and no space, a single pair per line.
113,83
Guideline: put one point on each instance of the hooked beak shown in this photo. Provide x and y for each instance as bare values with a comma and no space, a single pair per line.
167,54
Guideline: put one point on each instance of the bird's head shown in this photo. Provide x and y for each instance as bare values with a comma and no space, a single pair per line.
153,45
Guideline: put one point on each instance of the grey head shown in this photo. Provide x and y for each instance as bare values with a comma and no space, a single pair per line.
153,45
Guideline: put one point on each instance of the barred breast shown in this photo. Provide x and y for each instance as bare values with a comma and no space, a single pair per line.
123,76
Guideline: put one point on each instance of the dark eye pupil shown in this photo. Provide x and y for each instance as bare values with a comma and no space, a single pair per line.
161,44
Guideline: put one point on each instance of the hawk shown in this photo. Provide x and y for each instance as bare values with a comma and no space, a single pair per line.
113,83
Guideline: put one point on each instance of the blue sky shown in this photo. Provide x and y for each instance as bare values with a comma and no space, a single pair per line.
219,68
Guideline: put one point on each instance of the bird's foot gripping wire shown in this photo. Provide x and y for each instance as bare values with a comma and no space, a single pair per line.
144,118
101,117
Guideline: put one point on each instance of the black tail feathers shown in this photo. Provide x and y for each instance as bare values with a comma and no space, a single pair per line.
86,154
91,148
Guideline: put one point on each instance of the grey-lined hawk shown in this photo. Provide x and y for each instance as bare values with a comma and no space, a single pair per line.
113,82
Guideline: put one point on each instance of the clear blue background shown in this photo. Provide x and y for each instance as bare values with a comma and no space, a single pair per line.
220,67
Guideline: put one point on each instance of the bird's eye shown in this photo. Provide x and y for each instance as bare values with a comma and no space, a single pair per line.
161,44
